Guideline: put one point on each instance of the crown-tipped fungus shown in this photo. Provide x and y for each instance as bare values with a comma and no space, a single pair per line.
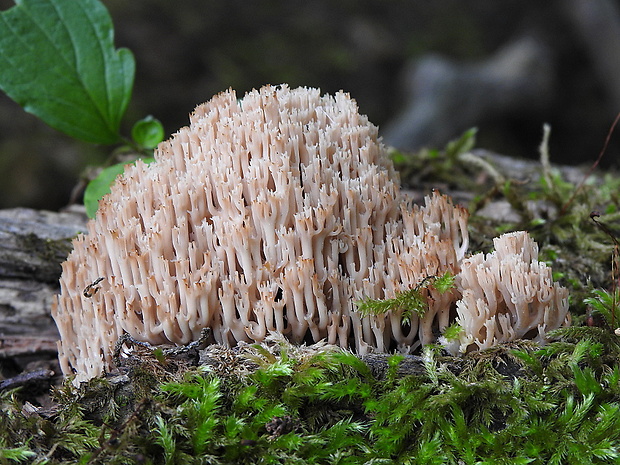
507,295
275,212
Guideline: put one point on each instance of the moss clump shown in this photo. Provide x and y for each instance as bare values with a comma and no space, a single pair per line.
410,302
512,404
554,205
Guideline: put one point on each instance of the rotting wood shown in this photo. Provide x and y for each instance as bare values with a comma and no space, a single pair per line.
32,245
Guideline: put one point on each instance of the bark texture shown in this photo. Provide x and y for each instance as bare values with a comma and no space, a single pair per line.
32,246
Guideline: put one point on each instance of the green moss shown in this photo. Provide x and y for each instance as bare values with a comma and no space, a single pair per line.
324,406
409,302
554,209
48,250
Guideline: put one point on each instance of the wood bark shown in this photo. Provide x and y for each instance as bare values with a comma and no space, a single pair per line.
33,244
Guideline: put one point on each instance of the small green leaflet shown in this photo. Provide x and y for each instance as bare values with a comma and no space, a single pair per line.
58,61
148,132
100,186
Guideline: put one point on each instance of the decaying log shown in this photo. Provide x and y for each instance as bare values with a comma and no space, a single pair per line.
32,246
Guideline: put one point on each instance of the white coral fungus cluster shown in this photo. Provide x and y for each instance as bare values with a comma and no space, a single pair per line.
507,295
272,213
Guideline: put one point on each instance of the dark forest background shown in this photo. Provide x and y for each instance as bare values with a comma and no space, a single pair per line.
383,52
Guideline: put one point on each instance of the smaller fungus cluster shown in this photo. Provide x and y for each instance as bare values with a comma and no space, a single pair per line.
507,295
276,213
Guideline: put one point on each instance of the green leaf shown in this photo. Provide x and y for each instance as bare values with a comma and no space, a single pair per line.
100,186
148,132
57,60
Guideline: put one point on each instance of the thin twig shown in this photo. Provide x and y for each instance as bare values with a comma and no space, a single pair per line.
593,167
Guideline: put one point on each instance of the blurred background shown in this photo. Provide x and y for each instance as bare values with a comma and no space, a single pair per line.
422,71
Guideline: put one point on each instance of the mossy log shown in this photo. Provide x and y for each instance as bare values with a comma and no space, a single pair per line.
32,245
